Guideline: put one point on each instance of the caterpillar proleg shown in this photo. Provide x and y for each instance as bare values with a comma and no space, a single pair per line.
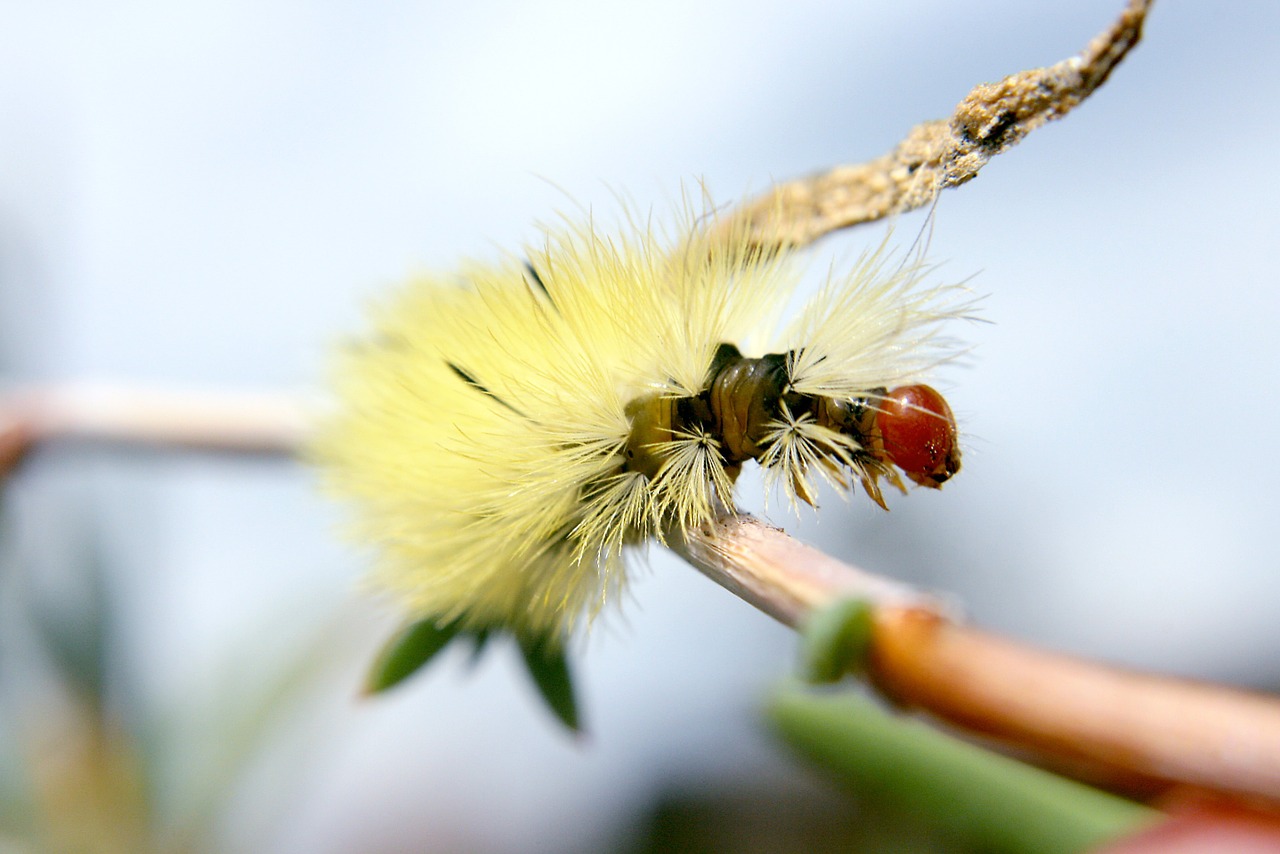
505,437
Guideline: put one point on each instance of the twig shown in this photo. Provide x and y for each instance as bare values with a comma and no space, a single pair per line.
215,421
938,154
1112,725
782,577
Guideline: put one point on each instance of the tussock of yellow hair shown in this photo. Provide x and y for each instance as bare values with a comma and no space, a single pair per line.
483,435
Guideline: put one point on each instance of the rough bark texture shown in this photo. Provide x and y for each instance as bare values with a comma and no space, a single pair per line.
938,154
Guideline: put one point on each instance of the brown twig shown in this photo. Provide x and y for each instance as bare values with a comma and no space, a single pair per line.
938,154
215,421
1112,725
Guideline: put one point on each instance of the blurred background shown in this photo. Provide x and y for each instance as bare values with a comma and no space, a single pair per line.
207,194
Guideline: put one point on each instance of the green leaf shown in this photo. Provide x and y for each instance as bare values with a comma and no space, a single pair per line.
417,643
835,641
407,651
549,669
991,802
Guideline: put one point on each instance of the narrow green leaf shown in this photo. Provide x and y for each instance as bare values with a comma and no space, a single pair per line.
994,803
406,652
835,641
549,669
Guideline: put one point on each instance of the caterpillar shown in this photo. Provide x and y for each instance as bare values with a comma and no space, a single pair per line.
507,434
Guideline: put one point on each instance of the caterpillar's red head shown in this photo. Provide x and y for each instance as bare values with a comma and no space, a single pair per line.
919,434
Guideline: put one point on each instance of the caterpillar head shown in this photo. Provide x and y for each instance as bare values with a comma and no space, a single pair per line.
918,433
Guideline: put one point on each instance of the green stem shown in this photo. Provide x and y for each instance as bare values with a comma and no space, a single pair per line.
996,803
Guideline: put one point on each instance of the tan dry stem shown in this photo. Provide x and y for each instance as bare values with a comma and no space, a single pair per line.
1147,731
938,154
1144,730
235,422
780,576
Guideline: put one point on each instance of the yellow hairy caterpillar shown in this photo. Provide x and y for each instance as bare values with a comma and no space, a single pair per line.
505,435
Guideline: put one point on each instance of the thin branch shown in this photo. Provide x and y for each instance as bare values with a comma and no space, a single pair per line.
148,417
782,577
1135,729
938,154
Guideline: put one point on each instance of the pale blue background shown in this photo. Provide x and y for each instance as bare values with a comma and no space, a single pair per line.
207,193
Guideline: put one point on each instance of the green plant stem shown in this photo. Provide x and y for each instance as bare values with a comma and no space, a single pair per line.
996,803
